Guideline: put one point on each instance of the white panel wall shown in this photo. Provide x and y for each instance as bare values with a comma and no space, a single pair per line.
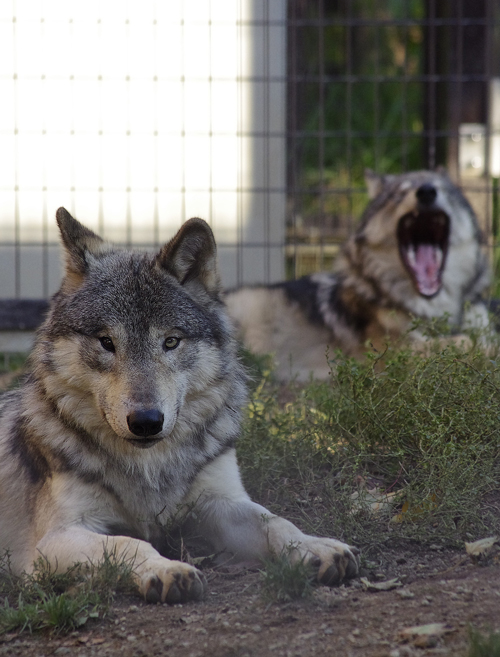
136,116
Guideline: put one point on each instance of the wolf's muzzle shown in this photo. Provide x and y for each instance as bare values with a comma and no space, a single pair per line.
145,423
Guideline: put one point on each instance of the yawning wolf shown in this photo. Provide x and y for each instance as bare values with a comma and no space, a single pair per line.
129,414
416,253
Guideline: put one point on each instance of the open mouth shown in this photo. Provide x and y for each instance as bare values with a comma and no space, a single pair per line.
144,443
423,246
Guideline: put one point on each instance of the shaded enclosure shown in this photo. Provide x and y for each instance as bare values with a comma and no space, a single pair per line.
392,86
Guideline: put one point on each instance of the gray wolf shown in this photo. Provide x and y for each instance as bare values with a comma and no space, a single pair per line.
129,413
416,253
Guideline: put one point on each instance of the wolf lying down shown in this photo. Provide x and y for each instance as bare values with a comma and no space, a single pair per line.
130,410
416,253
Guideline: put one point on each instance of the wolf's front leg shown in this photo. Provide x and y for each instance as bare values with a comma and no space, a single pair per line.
226,516
157,579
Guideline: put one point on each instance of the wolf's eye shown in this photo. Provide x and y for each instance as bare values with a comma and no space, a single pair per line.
107,343
171,343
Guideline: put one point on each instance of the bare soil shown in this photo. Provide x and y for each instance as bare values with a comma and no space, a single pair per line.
235,621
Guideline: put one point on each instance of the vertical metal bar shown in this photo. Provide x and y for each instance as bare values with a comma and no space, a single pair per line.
321,119
494,46
431,82
404,92
460,78
44,246
101,142
348,101
17,218
210,118
72,131
487,69
292,141
267,148
183,121
156,181
376,98
128,222
239,138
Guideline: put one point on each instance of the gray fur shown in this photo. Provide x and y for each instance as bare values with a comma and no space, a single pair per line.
371,295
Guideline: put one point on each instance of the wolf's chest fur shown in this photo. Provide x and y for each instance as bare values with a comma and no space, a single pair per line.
93,472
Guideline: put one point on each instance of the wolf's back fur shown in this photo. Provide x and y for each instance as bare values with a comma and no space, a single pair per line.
129,413
372,294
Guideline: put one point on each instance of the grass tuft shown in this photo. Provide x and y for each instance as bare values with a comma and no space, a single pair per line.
483,645
284,578
60,602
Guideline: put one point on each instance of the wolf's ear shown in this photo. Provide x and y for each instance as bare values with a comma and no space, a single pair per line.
191,256
374,182
78,242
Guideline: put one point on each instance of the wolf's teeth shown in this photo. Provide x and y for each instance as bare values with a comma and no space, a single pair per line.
439,257
411,256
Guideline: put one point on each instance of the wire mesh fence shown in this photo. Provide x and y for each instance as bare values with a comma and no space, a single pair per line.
257,115
136,116
392,86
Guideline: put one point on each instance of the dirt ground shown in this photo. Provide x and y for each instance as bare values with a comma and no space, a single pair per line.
235,621
437,586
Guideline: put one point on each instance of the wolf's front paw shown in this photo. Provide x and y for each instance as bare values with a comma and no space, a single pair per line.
335,561
173,582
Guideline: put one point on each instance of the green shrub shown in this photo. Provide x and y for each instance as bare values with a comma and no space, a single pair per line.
420,434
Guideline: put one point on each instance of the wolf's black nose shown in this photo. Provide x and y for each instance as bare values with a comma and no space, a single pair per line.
426,194
145,423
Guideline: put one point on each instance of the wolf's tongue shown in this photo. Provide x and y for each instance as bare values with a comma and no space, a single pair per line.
426,265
